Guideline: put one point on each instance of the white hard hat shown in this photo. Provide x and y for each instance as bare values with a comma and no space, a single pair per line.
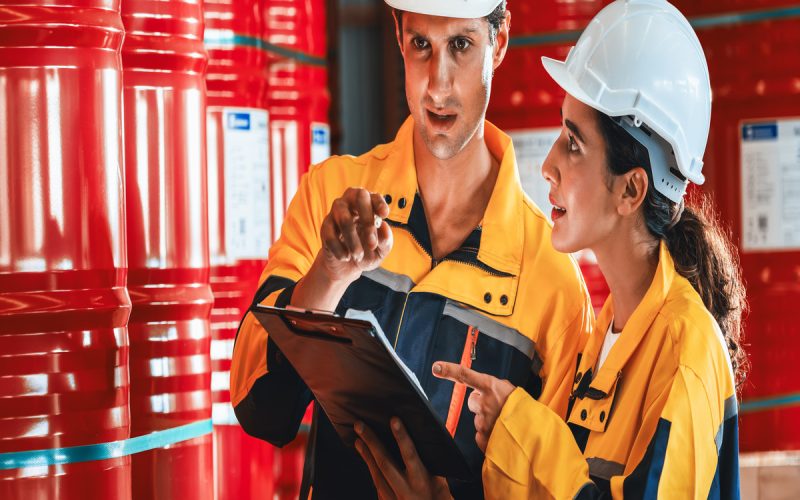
465,9
640,60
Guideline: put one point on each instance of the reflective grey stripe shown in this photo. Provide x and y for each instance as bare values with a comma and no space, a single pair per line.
731,410
396,282
604,469
731,407
492,328
537,364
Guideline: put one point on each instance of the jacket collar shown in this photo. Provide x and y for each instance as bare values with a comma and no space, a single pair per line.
502,236
634,331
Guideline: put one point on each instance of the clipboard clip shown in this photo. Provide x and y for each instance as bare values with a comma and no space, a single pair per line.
313,311
313,328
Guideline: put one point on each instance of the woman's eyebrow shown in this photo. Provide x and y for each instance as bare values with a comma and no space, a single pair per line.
575,130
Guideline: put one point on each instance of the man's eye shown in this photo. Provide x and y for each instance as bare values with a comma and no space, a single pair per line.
460,44
420,43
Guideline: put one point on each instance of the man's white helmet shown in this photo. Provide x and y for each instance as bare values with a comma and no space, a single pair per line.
641,61
465,9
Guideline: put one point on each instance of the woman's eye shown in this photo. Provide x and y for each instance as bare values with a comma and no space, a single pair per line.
460,44
420,43
572,145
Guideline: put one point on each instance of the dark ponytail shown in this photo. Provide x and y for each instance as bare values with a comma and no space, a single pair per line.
702,251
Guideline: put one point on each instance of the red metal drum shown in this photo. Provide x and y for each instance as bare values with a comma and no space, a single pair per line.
526,102
289,463
595,281
294,35
63,303
752,166
166,182
239,224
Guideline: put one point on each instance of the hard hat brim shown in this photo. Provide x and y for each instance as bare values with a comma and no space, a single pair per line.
465,10
559,73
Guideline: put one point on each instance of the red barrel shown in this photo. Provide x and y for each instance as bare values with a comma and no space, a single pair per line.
294,38
752,169
63,304
526,102
166,181
294,35
239,224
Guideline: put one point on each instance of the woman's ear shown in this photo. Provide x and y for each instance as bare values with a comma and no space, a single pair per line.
633,190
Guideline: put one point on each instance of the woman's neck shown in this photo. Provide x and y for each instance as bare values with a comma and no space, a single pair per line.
628,262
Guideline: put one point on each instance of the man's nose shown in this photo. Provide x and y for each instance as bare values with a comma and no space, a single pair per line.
440,78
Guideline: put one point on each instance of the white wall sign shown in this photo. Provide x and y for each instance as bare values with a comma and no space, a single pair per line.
770,166
531,147
247,188
320,142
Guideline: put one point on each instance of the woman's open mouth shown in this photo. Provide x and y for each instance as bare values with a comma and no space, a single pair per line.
557,211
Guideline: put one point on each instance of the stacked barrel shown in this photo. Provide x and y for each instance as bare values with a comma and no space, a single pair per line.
294,39
138,200
239,223
165,175
297,96
64,410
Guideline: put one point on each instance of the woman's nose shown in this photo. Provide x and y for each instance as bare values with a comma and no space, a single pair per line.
549,169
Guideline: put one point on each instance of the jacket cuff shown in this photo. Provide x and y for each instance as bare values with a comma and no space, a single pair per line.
509,447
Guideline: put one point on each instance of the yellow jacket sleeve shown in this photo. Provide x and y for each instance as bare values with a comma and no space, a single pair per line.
532,453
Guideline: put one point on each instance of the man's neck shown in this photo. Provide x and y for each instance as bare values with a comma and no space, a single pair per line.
462,177
456,191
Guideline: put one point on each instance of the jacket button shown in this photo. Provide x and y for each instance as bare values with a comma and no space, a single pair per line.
487,298
578,377
602,416
401,203
504,299
583,414
388,199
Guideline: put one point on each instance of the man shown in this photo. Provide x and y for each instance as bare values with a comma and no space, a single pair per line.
461,267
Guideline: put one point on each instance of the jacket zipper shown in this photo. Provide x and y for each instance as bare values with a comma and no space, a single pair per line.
400,323
434,263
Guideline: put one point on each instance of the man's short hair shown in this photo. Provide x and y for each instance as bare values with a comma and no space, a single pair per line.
495,19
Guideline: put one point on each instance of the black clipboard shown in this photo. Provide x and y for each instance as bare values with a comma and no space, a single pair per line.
354,378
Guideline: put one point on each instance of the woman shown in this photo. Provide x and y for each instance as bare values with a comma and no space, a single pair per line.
653,406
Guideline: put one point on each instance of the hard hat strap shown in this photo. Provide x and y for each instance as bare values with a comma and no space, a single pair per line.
663,165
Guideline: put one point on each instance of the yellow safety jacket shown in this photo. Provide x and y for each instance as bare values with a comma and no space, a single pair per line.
505,302
659,418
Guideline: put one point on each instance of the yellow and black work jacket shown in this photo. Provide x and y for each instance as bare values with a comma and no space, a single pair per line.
658,419
505,302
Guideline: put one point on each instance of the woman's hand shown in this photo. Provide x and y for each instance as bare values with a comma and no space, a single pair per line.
486,401
413,483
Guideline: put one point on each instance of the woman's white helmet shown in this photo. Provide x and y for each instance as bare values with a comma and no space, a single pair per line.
641,61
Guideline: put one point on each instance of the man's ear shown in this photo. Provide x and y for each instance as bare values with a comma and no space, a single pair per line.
397,34
633,190
501,41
